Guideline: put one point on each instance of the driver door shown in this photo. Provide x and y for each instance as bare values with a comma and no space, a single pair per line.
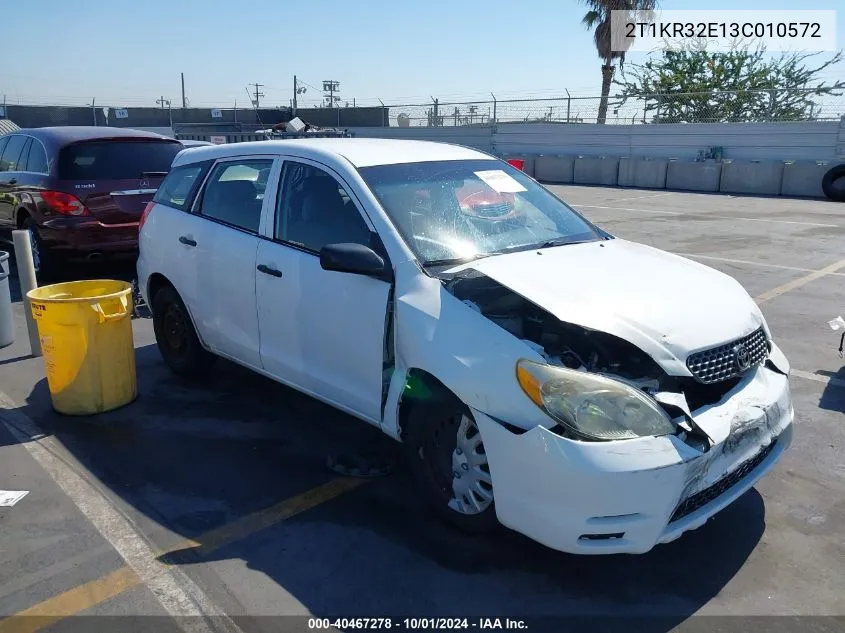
320,331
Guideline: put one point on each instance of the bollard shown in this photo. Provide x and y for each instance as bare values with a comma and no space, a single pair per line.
28,281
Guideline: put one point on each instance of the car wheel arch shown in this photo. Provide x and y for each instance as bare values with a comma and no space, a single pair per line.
421,387
21,216
155,283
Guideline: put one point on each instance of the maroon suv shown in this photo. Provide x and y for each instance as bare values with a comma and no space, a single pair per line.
80,191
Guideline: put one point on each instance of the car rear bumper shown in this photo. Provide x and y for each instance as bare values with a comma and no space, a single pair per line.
628,496
84,236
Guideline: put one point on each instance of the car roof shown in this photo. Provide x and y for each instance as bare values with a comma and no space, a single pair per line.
67,134
361,152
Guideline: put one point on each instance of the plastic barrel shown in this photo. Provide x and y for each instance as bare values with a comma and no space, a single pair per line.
85,329
7,318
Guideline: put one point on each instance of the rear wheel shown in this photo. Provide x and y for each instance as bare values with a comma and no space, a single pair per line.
447,459
42,259
176,337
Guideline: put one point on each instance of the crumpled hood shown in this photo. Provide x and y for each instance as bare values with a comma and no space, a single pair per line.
666,305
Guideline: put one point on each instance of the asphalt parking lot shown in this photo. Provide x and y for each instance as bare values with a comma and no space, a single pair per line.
214,497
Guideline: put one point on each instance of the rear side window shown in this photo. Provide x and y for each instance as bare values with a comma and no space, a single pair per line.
116,160
178,188
12,153
37,158
24,157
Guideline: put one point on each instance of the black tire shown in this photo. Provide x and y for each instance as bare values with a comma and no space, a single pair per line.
833,183
429,441
176,337
43,259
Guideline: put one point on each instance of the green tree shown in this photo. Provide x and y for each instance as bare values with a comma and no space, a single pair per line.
598,19
690,86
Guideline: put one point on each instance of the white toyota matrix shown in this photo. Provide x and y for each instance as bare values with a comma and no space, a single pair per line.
597,395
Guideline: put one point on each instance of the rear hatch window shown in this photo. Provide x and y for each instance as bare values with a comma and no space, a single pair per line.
115,179
116,160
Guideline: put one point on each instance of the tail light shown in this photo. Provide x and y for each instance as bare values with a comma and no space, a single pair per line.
145,213
64,203
519,163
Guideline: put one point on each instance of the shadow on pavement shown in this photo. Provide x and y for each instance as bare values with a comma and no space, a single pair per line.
833,396
193,456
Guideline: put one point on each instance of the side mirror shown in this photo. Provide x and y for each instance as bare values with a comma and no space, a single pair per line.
352,258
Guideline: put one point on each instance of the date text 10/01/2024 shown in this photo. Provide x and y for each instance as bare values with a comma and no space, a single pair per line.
417,624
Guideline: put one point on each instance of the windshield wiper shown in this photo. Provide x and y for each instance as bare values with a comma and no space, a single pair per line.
455,261
561,242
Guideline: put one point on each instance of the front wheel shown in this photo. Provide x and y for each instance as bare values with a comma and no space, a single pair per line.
175,335
449,464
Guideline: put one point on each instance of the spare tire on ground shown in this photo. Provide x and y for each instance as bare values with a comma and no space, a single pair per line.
833,183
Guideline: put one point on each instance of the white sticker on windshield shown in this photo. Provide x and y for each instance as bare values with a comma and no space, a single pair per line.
499,181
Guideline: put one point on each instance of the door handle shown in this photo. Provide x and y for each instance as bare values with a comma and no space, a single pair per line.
269,271
187,240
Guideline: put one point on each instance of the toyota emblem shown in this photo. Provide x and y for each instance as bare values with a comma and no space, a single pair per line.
144,183
743,357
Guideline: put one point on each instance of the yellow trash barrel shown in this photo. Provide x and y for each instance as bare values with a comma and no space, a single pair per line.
85,328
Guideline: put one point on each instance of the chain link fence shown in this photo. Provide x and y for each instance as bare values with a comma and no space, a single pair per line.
710,107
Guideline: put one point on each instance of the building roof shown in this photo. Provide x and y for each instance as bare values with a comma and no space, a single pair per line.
361,152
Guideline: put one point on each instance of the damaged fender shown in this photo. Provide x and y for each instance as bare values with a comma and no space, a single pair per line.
472,356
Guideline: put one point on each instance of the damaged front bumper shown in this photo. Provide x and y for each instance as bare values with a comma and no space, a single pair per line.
627,496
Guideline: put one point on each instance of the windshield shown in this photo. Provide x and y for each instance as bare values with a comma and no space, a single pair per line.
464,209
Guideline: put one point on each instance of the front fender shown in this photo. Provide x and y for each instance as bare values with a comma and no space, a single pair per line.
472,356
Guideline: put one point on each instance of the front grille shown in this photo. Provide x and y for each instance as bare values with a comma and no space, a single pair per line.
721,363
702,498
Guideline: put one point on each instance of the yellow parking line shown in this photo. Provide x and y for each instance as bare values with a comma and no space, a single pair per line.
70,602
801,281
250,524
90,594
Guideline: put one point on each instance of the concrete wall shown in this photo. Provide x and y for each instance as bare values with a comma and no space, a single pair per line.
806,140
479,137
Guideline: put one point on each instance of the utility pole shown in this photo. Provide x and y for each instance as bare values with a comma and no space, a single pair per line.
258,95
294,95
163,102
184,100
330,87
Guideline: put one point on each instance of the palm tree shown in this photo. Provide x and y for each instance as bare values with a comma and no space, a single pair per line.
598,18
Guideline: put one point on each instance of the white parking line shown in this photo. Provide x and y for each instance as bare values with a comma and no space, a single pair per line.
656,195
704,215
745,262
176,592
801,281
836,382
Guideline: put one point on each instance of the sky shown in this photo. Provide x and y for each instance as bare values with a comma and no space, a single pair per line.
131,53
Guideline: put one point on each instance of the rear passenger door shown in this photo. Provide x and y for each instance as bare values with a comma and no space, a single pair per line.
230,206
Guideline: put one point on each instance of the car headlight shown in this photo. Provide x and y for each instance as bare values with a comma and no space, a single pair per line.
592,406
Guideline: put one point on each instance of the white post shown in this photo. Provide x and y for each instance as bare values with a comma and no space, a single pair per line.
28,281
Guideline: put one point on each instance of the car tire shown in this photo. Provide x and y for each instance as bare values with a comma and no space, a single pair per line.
176,337
432,444
833,183
43,260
